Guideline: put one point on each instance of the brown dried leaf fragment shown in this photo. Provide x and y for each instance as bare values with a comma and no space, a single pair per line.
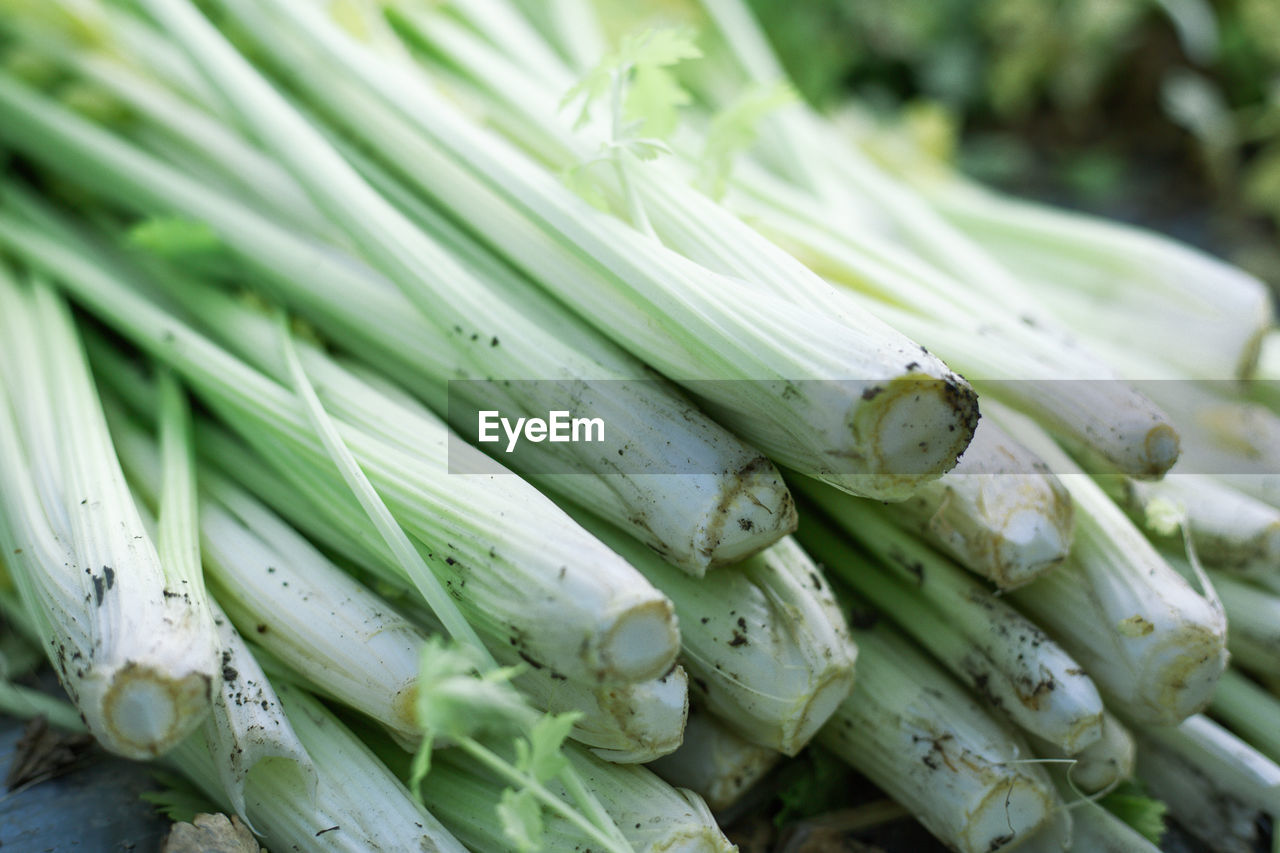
43,753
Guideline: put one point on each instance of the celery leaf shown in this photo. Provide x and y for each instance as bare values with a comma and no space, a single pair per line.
733,130
521,817
452,701
646,95
1145,814
539,755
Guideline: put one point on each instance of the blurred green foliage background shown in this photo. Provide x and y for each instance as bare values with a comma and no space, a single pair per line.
1165,112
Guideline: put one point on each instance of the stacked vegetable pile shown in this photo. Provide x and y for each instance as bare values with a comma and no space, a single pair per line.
247,247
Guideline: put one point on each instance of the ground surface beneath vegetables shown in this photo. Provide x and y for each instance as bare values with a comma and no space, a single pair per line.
72,796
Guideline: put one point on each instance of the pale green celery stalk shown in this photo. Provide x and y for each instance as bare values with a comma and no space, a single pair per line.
307,612
1055,836
715,763
1231,438
382,815
522,98
120,32
1250,710
1231,531
1095,275
752,506
1219,310
1019,358
264,567
523,33
28,703
1264,487
978,320
1269,356
246,724
684,518
1000,513
1226,433
135,648
1266,388
754,482
623,723
317,619
393,535
922,739
978,637
167,114
1154,645
653,816
249,334
627,724
1100,765
295,603
703,232
766,646
397,420
702,326
37,421
571,26
609,624
502,79
205,135
176,509
1193,310
1214,783
981,336
247,728
1253,622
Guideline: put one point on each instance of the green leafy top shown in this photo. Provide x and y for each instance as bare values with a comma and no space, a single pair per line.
458,702
734,129
539,754
540,757
644,100
645,95
453,701
1133,805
